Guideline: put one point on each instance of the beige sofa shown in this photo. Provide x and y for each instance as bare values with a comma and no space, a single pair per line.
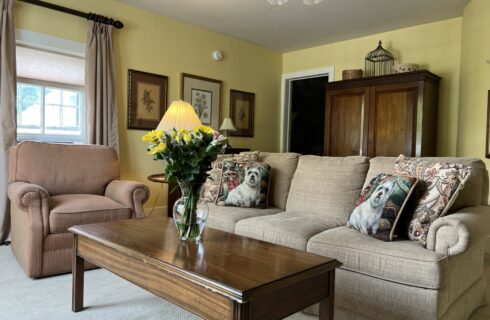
311,198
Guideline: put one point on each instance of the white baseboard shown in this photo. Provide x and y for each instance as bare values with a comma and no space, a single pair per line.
157,211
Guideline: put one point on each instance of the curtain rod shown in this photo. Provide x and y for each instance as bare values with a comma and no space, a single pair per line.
89,16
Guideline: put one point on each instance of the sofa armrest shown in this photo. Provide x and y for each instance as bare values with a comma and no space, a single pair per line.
131,194
32,199
454,233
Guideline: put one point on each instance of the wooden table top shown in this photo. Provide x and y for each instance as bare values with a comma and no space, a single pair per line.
233,265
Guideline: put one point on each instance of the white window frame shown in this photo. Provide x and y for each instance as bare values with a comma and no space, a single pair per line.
60,138
58,45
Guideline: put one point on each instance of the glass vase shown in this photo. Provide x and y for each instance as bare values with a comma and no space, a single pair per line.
190,212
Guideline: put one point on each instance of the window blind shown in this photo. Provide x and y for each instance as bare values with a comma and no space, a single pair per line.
49,66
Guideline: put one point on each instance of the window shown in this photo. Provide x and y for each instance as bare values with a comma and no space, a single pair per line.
50,92
49,111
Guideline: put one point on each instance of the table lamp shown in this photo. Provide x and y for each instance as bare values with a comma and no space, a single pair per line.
226,126
180,115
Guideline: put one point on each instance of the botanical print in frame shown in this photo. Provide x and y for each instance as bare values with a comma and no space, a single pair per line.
242,106
201,100
204,94
147,99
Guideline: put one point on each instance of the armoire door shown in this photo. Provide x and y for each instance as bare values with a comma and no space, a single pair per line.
346,122
393,119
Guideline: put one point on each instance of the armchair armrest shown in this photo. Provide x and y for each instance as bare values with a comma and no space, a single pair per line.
131,194
454,233
25,195
32,199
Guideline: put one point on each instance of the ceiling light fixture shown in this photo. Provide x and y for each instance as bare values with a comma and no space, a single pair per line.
281,2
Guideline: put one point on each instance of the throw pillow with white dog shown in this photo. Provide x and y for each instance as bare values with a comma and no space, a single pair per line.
244,184
381,204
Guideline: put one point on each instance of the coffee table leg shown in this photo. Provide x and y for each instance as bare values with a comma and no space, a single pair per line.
77,285
327,304
241,311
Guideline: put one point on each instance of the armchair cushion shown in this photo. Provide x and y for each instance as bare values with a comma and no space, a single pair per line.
64,168
72,209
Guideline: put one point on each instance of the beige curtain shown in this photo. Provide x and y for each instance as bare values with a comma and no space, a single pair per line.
100,87
7,106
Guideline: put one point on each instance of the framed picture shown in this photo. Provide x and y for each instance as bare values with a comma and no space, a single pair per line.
147,99
242,106
204,94
487,149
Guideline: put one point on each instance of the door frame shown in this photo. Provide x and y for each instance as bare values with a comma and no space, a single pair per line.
286,81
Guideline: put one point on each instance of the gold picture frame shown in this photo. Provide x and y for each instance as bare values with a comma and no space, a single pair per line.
242,105
204,94
147,99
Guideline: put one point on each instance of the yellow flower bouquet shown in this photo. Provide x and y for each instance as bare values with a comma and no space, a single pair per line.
188,155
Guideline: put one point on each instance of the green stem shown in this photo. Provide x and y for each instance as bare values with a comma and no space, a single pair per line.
189,227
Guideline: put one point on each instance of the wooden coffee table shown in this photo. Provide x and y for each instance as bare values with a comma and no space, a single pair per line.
225,276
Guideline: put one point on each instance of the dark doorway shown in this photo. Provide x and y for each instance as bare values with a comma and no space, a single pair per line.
308,115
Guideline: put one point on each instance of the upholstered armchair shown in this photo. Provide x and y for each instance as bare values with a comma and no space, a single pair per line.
55,186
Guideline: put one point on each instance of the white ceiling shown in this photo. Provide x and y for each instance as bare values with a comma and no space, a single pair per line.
295,25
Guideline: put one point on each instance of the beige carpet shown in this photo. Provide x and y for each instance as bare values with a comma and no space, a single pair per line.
107,297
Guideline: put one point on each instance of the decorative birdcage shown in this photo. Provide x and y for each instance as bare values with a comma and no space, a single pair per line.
378,62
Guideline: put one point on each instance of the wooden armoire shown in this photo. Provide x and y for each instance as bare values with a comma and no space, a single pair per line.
382,116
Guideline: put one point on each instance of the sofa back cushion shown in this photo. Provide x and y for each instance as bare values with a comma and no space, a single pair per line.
474,193
64,168
283,166
327,186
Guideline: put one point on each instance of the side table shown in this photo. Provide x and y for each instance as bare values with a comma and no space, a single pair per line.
173,190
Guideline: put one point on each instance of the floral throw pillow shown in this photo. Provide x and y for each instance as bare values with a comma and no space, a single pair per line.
244,184
439,186
381,204
211,187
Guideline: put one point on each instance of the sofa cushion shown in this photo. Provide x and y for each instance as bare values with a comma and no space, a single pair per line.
327,186
405,262
475,192
73,209
290,229
225,218
64,168
283,166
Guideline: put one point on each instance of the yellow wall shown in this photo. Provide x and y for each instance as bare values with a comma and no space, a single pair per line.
455,49
153,43
475,79
435,47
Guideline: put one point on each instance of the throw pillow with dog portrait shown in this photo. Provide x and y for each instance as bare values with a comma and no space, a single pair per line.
244,184
211,188
381,204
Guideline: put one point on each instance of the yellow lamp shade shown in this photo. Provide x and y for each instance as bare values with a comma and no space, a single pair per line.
180,115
